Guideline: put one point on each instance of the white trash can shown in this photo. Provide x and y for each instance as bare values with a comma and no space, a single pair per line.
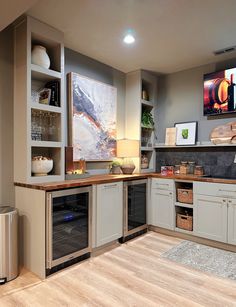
8,243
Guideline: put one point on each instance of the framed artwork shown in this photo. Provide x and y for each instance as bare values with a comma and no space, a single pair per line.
186,133
92,119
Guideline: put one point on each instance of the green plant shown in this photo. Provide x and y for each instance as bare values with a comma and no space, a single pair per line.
147,119
115,163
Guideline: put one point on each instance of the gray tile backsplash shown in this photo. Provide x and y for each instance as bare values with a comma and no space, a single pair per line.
216,161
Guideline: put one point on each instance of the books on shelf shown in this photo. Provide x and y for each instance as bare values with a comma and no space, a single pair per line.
54,86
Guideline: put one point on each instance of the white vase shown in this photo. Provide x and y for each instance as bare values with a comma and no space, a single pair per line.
40,57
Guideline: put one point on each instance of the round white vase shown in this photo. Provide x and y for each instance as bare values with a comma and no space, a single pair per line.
40,57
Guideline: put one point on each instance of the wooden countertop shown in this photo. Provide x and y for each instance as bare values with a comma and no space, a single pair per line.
99,179
194,178
94,179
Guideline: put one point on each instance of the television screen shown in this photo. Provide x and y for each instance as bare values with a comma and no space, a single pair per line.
220,92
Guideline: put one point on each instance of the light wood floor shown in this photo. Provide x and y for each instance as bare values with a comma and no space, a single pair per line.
130,275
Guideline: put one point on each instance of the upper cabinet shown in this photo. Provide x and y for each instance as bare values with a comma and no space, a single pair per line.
38,99
141,97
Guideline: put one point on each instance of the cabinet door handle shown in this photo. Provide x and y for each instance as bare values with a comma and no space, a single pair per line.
224,200
230,201
110,186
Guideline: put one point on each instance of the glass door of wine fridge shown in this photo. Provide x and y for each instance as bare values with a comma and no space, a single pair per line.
135,206
68,220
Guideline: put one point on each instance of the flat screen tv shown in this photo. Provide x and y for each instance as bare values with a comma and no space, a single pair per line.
220,92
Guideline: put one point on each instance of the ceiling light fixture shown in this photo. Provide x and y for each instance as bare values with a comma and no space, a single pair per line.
129,38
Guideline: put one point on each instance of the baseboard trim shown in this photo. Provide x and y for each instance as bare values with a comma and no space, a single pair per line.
172,233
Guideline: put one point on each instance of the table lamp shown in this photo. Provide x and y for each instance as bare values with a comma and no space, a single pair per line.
127,149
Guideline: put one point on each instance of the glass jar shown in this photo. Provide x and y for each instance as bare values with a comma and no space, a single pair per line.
198,171
184,168
191,167
177,169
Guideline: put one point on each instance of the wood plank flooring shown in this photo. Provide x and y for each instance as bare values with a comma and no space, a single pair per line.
132,274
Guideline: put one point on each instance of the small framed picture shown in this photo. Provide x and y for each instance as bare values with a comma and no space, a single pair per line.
44,96
186,133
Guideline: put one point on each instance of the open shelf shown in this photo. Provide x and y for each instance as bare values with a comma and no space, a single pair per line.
52,45
46,107
45,126
147,103
183,205
53,153
146,148
43,74
46,144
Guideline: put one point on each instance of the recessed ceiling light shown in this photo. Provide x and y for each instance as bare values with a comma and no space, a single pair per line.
129,38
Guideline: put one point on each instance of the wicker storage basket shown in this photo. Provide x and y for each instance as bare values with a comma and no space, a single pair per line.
185,196
184,221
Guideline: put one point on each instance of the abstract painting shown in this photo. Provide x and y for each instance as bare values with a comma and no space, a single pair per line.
92,119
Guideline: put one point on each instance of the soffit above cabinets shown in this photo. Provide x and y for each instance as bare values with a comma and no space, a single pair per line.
170,35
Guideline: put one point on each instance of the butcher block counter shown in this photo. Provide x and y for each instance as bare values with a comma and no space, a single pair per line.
99,179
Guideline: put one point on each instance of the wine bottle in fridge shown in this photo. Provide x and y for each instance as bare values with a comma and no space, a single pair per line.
231,106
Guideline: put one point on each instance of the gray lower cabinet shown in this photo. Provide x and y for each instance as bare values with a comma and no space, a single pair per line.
162,204
232,221
210,217
108,213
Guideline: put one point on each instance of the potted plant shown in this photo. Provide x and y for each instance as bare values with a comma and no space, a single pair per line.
147,119
115,167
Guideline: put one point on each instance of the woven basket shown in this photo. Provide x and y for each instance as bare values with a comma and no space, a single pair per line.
184,222
185,196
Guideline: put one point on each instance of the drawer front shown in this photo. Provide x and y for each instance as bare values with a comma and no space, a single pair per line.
215,189
163,184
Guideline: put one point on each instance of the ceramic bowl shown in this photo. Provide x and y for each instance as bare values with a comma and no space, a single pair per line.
41,167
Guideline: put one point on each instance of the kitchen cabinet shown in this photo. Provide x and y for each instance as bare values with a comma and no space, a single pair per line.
210,217
232,221
108,215
162,203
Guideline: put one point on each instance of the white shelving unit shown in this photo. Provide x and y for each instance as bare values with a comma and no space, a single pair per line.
28,77
135,82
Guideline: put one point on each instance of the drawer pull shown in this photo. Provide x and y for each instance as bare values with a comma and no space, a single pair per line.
227,191
110,186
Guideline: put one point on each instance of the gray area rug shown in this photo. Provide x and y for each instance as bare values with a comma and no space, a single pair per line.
208,259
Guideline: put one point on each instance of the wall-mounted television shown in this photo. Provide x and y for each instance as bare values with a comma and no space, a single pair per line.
220,92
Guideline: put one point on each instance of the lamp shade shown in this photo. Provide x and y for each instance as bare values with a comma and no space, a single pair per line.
127,148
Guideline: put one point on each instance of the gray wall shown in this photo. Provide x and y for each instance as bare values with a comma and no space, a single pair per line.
76,62
180,98
6,117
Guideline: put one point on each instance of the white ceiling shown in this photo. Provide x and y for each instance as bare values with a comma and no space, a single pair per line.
12,9
172,35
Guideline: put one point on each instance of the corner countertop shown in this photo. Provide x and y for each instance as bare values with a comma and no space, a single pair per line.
99,179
